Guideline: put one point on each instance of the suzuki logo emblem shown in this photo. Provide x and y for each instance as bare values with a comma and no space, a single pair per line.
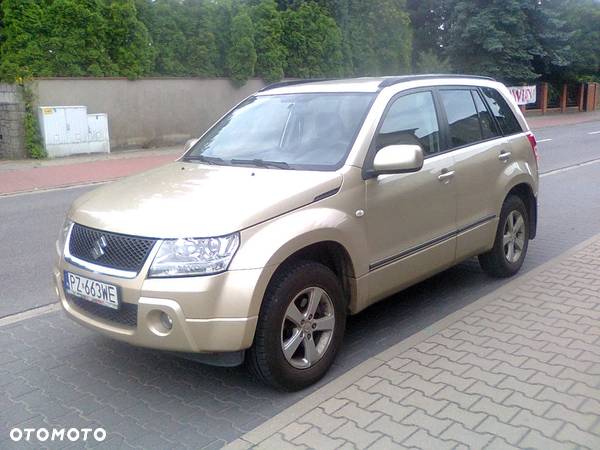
99,246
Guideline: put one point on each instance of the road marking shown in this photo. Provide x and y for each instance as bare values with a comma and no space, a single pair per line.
543,140
566,169
29,314
594,132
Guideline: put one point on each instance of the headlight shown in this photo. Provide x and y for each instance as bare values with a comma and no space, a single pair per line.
186,257
62,237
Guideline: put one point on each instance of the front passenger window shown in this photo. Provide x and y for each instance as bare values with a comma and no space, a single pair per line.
411,119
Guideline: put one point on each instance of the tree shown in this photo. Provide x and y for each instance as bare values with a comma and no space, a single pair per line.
377,36
392,36
513,40
268,34
161,20
429,24
552,50
200,51
181,36
582,22
242,54
313,42
72,40
23,21
428,61
127,40
221,14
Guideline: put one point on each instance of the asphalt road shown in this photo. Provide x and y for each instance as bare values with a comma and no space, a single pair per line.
54,372
567,145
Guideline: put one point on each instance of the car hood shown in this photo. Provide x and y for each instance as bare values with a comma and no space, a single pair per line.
197,200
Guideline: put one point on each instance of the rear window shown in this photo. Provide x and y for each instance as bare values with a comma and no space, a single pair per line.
501,111
463,120
489,129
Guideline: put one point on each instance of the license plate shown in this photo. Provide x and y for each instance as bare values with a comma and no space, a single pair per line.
91,290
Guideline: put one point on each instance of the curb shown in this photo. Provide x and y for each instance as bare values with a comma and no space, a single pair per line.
56,188
294,412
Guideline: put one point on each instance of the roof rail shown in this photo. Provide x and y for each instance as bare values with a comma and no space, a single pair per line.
404,78
292,83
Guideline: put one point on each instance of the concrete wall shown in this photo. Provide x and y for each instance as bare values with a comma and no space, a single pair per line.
12,116
149,112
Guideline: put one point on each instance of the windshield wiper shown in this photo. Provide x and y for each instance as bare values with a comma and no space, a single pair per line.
261,163
204,159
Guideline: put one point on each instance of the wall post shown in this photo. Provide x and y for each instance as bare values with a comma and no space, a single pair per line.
563,98
544,97
12,122
590,98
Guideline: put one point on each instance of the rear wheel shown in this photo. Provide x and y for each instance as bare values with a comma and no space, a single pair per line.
511,242
300,327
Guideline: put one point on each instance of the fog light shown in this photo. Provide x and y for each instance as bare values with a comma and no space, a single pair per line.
166,320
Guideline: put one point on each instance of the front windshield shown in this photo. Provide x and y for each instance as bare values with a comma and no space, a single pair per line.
295,131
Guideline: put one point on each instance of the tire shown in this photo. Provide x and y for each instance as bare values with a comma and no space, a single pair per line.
297,284
499,262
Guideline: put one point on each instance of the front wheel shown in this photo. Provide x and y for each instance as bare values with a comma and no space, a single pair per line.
511,242
300,327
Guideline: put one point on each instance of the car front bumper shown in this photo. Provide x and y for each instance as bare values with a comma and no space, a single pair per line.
210,314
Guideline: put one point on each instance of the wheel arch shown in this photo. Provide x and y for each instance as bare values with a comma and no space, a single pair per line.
525,192
331,254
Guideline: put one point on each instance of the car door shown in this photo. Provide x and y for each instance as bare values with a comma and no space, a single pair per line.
411,217
477,146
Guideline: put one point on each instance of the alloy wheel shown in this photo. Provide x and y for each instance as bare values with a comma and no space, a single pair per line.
513,239
307,327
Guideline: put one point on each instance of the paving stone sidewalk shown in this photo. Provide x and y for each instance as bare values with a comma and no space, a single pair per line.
519,368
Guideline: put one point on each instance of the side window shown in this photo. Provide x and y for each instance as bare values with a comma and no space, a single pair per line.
411,120
463,120
489,129
500,109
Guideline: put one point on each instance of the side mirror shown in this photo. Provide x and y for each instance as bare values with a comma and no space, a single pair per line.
397,159
189,144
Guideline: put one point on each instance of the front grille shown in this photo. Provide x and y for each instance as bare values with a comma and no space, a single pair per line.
125,315
118,251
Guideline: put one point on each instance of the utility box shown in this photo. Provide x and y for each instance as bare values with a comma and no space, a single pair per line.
98,140
69,130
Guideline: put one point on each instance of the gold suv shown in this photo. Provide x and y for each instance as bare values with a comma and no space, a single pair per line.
307,202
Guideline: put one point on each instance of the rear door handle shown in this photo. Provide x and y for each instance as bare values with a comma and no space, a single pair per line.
504,156
446,175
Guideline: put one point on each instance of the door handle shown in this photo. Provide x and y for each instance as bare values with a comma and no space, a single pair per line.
446,175
504,156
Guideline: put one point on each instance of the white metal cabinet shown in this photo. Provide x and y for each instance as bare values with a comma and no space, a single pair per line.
98,139
68,130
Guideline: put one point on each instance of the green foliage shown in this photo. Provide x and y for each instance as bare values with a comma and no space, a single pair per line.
128,41
21,51
514,40
33,140
491,38
313,42
428,61
582,19
72,38
429,23
181,37
268,35
377,35
241,58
